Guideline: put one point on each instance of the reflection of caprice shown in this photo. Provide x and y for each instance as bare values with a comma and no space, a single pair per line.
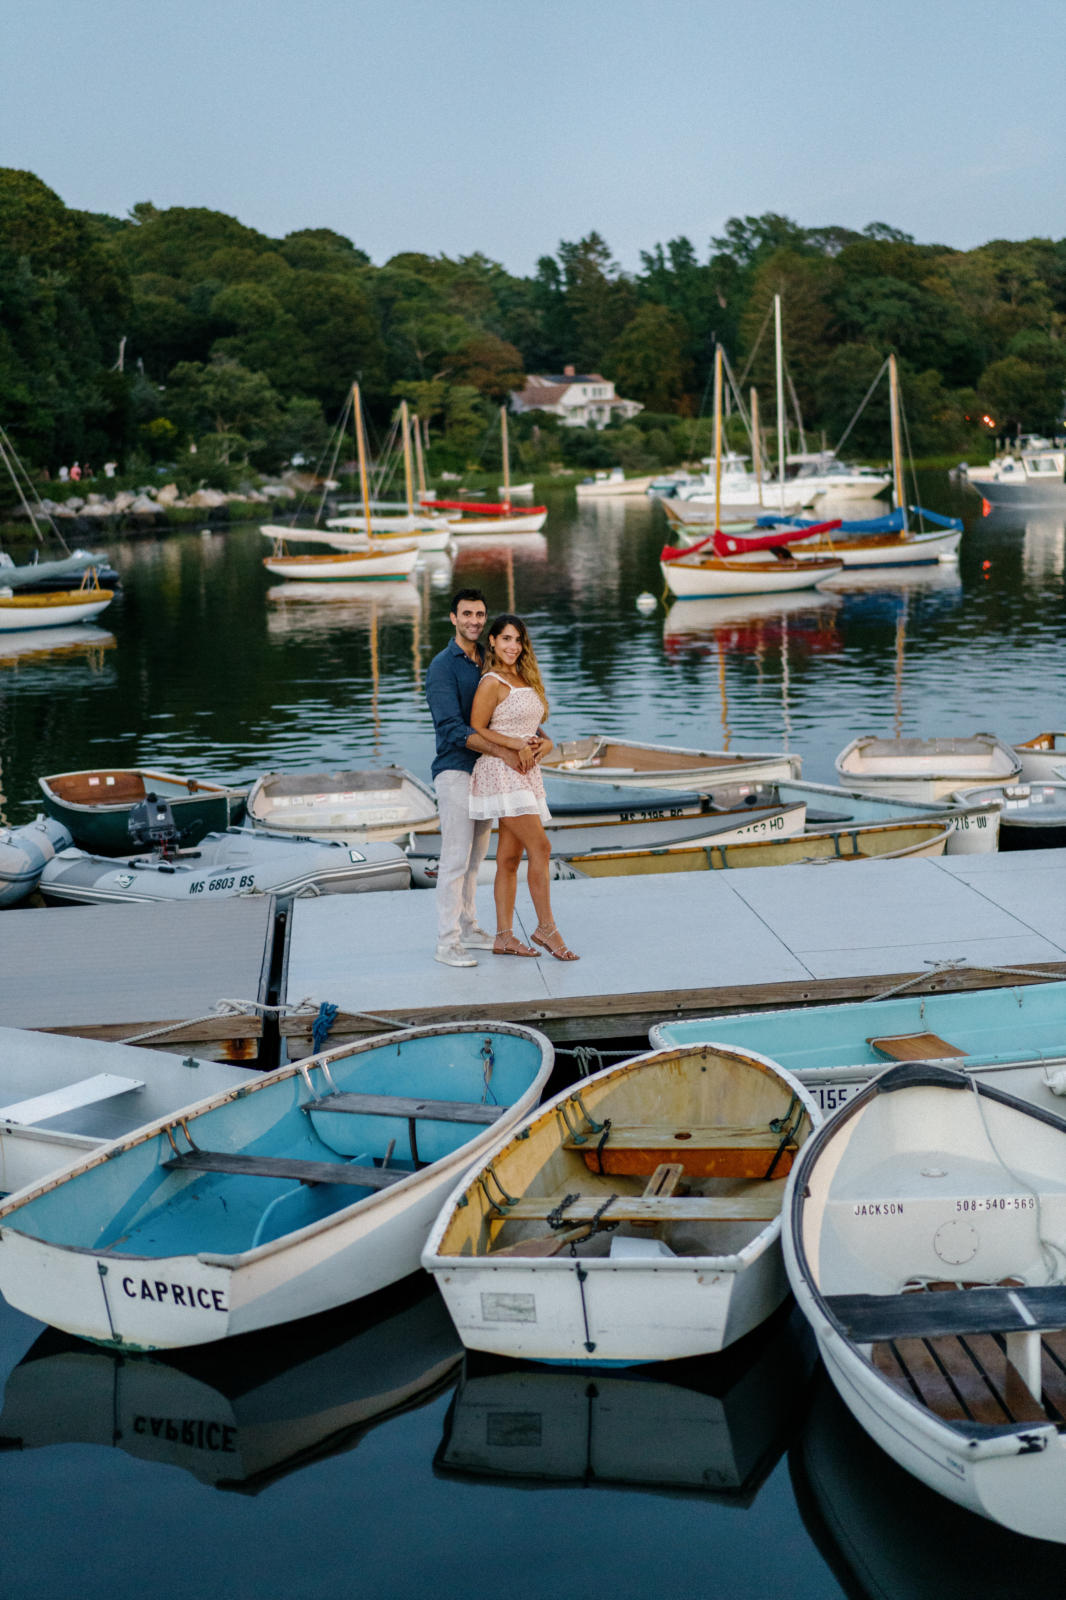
81,639
245,1413
716,1425
887,1536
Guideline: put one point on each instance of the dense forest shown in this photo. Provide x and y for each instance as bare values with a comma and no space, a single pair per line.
182,338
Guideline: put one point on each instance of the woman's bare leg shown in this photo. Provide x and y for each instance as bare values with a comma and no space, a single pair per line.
505,885
535,842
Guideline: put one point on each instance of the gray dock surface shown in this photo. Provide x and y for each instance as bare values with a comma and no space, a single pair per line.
112,972
684,944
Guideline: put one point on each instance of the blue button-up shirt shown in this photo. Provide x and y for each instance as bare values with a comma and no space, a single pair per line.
451,684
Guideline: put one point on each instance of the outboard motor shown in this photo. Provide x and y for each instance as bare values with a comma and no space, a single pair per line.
152,825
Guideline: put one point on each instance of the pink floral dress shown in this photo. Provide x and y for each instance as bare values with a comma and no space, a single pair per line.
497,790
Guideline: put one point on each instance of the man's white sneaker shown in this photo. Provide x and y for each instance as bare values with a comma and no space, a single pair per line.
476,939
453,955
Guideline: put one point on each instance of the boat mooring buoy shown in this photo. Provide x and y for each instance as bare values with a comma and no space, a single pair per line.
646,603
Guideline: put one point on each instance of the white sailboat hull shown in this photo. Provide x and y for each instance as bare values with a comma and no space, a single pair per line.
354,567
489,527
746,576
17,615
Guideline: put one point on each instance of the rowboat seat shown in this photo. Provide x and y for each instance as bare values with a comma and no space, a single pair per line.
237,1165
987,1357
414,1110
913,1047
389,1105
703,1152
71,1097
759,1202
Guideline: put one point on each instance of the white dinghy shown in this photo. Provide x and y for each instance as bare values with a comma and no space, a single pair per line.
924,769
240,861
61,1097
925,1241
635,1218
366,803
273,1201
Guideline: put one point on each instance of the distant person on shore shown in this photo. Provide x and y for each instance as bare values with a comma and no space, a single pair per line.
63,474
451,684
109,468
509,707
75,473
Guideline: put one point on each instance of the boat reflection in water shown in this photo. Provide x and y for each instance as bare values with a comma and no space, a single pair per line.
886,1536
242,1414
716,1425
80,639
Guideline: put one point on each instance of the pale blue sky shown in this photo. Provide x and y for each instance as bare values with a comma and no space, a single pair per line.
506,125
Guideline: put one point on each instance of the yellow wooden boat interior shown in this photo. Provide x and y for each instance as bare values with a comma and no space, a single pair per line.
122,786
689,1146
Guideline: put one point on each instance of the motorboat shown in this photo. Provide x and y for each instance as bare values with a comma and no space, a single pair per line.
241,861
1035,477
95,804
24,852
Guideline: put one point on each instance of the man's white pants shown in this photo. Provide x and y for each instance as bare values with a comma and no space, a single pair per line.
463,843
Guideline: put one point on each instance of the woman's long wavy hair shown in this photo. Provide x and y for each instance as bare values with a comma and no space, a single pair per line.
526,666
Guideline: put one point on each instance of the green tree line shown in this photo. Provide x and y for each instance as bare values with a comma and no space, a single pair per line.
181,336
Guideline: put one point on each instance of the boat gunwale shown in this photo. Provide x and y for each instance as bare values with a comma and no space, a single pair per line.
434,1259
378,1199
982,1440
208,788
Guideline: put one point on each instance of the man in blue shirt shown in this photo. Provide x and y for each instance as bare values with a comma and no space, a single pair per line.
451,684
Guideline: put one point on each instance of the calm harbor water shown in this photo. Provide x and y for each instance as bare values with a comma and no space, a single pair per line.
359,1449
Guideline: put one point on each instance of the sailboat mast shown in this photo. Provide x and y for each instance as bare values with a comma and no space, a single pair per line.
506,456
419,462
408,482
717,436
756,444
361,447
779,366
897,439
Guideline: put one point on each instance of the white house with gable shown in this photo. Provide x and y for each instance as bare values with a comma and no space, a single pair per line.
582,400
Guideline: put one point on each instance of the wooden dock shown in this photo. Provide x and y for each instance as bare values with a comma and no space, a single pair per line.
113,972
686,944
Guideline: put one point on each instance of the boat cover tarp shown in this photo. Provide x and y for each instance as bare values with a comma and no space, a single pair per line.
724,545
892,522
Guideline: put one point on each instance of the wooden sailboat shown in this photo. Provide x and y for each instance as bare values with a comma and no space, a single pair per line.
888,541
478,519
731,564
418,529
369,562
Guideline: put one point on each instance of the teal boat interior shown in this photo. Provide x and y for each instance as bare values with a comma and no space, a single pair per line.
986,1026
193,1187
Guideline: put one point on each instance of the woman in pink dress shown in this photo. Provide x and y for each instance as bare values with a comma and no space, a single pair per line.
509,707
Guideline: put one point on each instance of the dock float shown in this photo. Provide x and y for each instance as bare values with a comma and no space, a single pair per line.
684,945
118,972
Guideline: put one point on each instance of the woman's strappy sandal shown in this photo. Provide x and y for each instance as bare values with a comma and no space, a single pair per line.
508,944
554,943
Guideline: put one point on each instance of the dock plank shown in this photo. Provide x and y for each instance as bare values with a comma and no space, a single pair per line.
772,936
126,969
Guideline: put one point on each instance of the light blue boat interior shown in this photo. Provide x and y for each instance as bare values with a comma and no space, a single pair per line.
130,1205
988,1025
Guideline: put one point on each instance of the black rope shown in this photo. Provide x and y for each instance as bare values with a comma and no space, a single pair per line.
604,1136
